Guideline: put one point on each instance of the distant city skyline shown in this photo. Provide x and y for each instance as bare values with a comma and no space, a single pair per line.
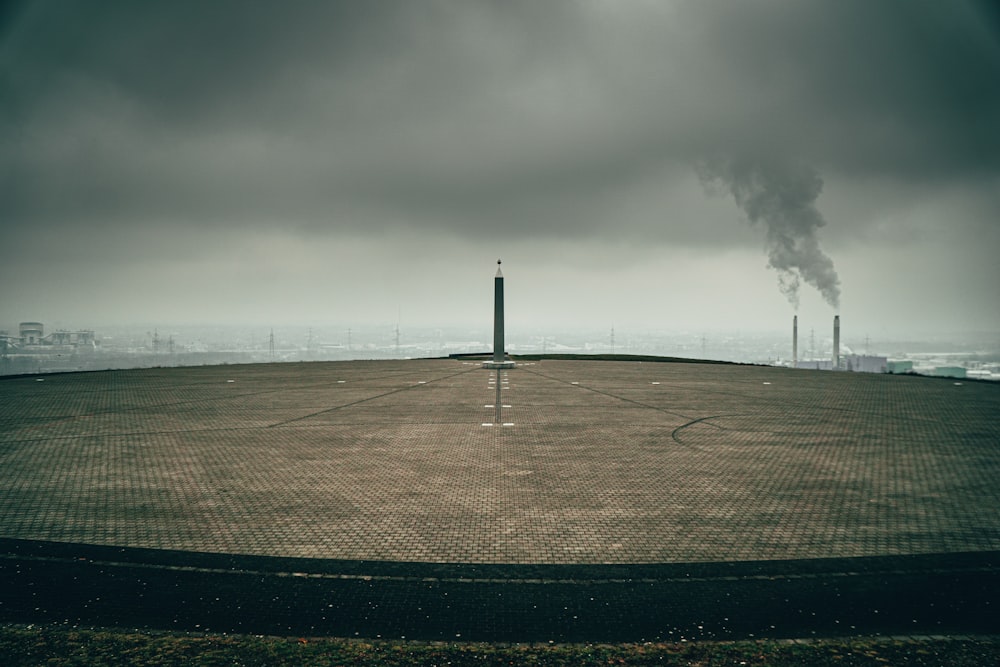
672,166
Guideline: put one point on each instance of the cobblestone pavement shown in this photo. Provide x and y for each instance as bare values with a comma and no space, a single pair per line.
584,462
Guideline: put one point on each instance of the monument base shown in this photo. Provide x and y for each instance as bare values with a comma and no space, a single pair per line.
499,364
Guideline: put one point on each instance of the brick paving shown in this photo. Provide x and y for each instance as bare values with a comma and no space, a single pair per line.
593,462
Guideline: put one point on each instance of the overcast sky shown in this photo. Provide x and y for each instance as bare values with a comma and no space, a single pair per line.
650,164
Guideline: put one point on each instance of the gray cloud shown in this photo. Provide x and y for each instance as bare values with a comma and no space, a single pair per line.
544,120
449,107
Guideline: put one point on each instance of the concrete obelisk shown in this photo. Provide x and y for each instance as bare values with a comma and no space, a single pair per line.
498,347
499,360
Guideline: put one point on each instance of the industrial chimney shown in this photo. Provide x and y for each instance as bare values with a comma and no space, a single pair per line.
836,342
795,341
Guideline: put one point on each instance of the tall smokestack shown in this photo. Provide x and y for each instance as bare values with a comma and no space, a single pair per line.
836,342
498,316
498,360
795,341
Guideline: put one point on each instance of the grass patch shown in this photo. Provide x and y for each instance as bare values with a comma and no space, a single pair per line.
59,645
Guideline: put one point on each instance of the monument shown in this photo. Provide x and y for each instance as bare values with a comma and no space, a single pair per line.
499,359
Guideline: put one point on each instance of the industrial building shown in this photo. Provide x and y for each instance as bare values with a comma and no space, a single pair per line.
858,363
32,335
899,367
31,350
864,363
949,372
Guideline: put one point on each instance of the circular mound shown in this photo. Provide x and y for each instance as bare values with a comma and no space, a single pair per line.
558,501
553,462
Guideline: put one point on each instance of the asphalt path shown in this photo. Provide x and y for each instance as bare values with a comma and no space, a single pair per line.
76,584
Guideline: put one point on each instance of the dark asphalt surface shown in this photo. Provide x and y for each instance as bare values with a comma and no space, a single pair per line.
157,589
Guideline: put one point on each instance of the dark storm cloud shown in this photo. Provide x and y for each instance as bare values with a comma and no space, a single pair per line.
548,117
906,87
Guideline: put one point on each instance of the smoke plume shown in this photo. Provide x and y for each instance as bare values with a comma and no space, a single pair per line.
783,196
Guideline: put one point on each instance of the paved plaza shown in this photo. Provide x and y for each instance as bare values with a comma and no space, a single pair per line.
563,500
586,462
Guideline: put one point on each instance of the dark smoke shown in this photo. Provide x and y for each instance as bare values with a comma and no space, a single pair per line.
783,196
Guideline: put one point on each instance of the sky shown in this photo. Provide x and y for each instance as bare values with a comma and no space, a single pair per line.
642,164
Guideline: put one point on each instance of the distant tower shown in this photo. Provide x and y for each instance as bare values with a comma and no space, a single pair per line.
836,342
270,345
612,339
399,316
795,341
499,359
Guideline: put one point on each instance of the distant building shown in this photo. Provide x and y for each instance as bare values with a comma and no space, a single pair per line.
863,363
949,372
32,338
857,363
815,364
899,367
69,338
31,332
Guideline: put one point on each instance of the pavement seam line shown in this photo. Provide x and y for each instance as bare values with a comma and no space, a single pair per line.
370,398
